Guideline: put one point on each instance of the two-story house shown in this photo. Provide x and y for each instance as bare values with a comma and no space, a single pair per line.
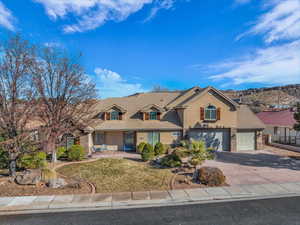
168,117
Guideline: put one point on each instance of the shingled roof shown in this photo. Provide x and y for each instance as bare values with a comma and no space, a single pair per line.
284,118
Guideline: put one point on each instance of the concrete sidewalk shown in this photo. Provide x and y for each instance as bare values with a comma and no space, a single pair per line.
31,204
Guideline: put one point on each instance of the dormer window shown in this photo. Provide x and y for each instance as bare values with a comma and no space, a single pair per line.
210,113
153,116
115,115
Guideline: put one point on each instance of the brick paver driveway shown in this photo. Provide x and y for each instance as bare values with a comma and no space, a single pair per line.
256,167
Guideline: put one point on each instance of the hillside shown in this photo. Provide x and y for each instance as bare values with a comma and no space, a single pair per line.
263,98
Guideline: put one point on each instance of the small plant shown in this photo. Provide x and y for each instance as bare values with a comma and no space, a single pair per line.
35,160
61,152
140,147
148,153
181,152
3,159
76,153
159,149
172,161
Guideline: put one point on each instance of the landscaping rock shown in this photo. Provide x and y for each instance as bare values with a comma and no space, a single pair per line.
57,183
29,177
211,176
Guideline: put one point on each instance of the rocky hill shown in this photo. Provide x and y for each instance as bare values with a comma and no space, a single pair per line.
263,98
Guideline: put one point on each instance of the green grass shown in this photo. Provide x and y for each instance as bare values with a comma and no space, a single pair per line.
120,175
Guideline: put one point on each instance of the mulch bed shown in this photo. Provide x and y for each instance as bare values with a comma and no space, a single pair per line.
8,188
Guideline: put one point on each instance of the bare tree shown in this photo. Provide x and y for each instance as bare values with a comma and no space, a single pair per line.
17,103
66,96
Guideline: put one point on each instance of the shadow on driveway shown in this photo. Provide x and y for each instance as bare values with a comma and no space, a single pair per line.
258,159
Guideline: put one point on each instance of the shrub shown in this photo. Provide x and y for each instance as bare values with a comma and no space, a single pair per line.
3,159
148,153
172,161
76,153
198,146
211,176
35,160
159,149
61,152
181,152
140,147
48,175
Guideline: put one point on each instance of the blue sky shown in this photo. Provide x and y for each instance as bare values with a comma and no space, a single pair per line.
129,46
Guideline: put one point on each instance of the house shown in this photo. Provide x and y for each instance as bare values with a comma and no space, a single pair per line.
170,116
279,125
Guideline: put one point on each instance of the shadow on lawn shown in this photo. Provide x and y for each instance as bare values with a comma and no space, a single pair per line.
258,160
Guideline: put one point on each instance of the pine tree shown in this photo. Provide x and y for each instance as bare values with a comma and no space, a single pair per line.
297,118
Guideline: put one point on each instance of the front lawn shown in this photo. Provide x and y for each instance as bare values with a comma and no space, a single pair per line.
120,175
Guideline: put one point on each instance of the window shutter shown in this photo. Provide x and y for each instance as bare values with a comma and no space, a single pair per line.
201,113
158,116
107,116
120,116
146,116
218,113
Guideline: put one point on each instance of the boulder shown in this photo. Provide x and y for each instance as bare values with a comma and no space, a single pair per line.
29,177
211,176
57,183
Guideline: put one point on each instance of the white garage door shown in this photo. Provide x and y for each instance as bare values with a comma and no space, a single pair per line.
245,141
218,139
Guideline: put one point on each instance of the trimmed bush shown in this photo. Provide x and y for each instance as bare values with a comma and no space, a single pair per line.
148,153
140,147
181,152
3,159
159,149
211,176
61,152
172,161
76,153
35,160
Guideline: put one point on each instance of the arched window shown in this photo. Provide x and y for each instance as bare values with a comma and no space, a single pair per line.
211,113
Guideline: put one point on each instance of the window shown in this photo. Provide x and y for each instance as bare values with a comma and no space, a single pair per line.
153,115
99,138
114,115
210,113
176,134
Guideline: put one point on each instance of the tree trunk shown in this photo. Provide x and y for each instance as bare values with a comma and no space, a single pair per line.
12,168
54,157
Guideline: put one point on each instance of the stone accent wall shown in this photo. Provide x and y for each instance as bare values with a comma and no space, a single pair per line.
233,140
259,140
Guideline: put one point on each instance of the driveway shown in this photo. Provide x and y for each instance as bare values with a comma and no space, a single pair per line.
256,167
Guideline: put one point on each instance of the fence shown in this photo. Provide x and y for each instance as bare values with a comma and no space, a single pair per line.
289,140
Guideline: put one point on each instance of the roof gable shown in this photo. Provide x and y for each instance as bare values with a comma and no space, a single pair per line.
150,107
114,107
199,94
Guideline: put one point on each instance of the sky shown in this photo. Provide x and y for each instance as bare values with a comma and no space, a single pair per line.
129,46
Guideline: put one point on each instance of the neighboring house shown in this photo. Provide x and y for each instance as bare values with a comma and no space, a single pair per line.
168,117
279,125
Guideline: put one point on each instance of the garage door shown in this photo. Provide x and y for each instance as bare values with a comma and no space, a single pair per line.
245,141
218,139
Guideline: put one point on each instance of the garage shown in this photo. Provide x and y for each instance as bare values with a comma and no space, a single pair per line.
218,139
245,140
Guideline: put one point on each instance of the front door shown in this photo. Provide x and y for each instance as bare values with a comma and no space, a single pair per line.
129,141
153,138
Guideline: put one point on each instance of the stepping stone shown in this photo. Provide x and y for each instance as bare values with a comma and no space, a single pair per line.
291,187
5,201
180,195
217,192
198,194
160,195
102,198
143,195
121,197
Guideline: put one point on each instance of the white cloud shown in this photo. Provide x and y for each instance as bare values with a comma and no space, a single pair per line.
281,21
91,14
271,65
111,84
6,18
163,4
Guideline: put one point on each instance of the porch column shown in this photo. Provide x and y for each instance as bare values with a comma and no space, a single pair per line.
90,143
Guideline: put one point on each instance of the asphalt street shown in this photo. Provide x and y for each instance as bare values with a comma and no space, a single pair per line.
282,211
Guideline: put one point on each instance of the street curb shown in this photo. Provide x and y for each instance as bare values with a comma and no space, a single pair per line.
136,204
